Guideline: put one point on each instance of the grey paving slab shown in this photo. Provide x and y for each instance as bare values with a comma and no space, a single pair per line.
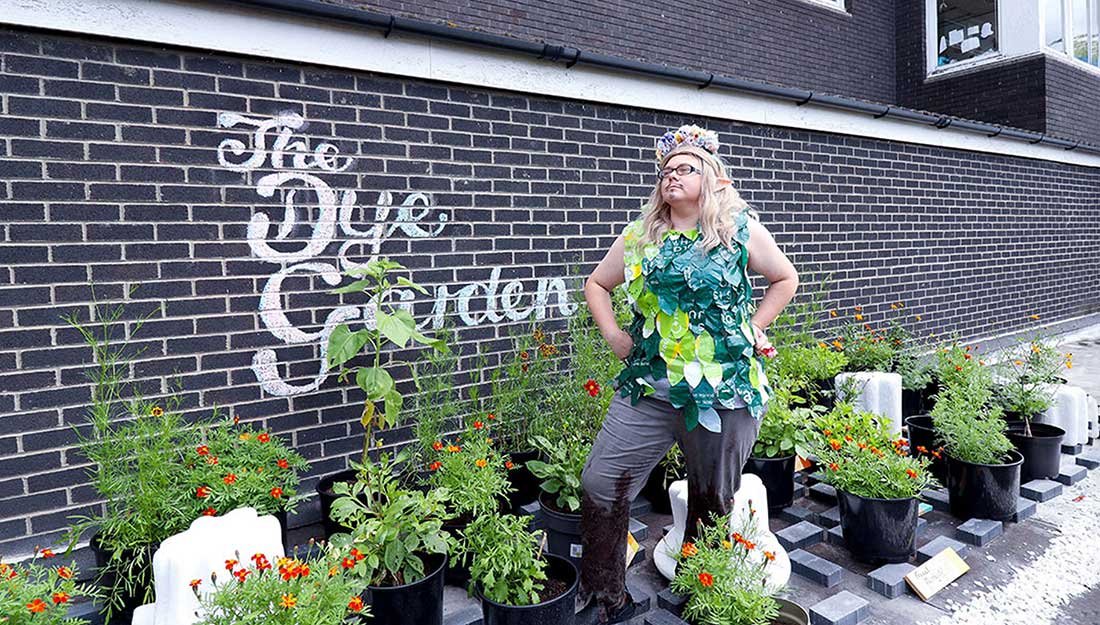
796,514
938,498
1025,509
800,535
816,568
1090,459
889,580
662,617
1070,474
829,518
843,608
823,492
835,535
979,532
1040,490
937,545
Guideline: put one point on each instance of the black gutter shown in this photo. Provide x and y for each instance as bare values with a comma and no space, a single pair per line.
570,56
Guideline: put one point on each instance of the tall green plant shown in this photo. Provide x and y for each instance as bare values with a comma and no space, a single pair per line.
505,559
1028,373
964,415
392,325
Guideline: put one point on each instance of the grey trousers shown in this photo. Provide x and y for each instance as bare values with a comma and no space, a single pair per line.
631,442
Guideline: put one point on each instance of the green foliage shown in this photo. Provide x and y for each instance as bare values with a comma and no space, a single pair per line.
393,325
845,422
725,576
561,472
518,395
137,451
392,528
35,593
471,471
437,401
238,466
1029,374
864,469
795,325
784,430
286,592
964,416
505,558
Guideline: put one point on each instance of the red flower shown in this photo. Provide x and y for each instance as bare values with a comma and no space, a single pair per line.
242,574
202,491
492,417
348,563
209,511
195,583
276,492
36,606
706,579
230,479
263,437
480,463
438,445
770,556
478,425
358,555
203,450
48,553
835,444
911,473
64,572
688,550
229,564
61,597
508,464
282,463
834,466
592,387
434,466
356,604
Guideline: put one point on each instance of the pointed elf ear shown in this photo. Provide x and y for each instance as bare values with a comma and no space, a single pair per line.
723,183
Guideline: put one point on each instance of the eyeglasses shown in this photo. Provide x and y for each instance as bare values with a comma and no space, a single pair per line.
683,169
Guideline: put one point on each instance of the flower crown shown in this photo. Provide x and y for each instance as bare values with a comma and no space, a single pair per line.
690,134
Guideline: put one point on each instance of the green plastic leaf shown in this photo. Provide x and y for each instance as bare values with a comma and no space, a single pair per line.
693,373
704,347
712,371
675,371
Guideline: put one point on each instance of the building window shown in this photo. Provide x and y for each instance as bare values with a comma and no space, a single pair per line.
965,29
835,4
1073,28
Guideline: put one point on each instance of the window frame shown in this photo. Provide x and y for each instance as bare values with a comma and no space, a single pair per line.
836,5
931,40
1092,18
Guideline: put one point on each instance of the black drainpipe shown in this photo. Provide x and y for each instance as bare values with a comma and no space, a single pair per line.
570,56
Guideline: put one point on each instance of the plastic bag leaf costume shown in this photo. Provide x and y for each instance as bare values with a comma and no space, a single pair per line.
692,313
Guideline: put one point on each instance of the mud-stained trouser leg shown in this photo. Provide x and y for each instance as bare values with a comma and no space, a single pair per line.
630,443
714,462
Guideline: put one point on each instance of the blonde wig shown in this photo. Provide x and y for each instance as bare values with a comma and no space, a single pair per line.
717,206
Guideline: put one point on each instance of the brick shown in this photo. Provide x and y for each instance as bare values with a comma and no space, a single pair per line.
835,535
1070,474
796,514
829,517
979,532
1041,490
668,600
889,580
937,545
815,568
662,617
843,608
800,535
938,498
823,492
1025,509
1090,459
1072,450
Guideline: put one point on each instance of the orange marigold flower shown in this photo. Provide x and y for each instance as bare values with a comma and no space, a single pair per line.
726,544
478,425
706,579
1035,317
263,437
491,417
194,583
508,464
835,444
64,572
288,601
282,463
937,454
48,553
828,432
832,313
859,309
276,492
837,345
538,335
230,479
348,563
454,449
355,604
911,473
834,466
230,564
770,556
688,550
61,597
438,445
212,460
202,491
922,449
848,438
36,606
434,466
210,511
156,411
480,463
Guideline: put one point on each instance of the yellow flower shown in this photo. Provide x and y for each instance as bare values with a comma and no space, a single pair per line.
859,317
1036,317
245,436
918,317
893,306
288,601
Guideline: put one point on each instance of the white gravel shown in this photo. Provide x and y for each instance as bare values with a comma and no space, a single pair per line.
1066,569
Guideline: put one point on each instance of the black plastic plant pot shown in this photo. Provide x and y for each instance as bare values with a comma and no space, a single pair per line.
917,401
563,529
142,558
655,492
328,496
790,613
525,485
828,400
456,573
557,610
923,434
1042,451
778,477
984,491
878,530
418,603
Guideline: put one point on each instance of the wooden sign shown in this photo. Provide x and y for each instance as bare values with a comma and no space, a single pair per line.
631,548
932,576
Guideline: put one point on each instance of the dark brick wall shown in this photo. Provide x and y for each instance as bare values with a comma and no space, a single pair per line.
1033,92
797,43
111,174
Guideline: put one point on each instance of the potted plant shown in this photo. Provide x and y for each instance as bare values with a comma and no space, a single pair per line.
287,591
877,485
724,576
560,501
516,582
1028,375
668,470
399,534
393,325
238,466
983,469
475,476
137,449
37,593
784,433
